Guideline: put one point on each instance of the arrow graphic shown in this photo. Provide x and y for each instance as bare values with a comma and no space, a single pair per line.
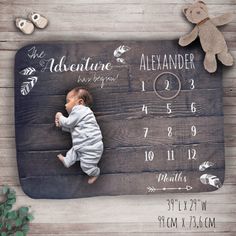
152,189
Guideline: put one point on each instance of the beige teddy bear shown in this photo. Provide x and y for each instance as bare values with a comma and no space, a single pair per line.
212,40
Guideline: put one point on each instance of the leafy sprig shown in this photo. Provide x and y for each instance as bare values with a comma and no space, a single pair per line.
13,222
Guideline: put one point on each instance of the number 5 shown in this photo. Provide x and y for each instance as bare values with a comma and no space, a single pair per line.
168,106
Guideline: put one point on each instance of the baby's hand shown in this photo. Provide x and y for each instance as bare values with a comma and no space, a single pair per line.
57,117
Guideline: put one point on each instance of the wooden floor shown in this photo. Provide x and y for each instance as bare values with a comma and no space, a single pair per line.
75,20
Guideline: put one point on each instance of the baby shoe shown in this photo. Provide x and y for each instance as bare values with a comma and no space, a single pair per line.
24,25
39,20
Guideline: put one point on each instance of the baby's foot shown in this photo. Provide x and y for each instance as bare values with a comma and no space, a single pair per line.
61,158
92,179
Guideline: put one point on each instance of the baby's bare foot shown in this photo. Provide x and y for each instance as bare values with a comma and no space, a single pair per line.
92,179
61,158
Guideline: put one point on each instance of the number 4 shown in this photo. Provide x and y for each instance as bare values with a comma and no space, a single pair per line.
145,109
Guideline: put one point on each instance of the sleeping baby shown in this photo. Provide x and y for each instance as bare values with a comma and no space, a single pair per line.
85,132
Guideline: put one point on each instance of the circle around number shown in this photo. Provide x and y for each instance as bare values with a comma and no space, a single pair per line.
167,98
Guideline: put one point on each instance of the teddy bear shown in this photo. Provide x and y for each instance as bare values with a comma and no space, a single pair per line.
211,39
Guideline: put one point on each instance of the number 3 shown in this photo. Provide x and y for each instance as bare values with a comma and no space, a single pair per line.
192,86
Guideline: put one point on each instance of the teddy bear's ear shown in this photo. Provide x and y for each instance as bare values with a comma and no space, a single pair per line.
184,9
202,2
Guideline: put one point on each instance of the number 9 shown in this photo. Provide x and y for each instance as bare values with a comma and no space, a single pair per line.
194,130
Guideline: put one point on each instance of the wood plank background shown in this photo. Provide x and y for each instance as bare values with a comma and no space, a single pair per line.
112,20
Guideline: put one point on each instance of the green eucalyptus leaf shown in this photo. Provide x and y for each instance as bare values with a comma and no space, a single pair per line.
19,233
23,211
5,189
11,215
5,211
11,195
9,226
8,207
11,201
18,222
25,228
3,234
30,217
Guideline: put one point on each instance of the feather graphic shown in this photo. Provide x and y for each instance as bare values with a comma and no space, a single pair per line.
121,50
28,71
121,60
28,85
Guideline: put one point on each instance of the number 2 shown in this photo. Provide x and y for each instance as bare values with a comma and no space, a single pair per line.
167,85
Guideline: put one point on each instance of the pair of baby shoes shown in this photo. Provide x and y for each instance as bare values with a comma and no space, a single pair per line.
35,19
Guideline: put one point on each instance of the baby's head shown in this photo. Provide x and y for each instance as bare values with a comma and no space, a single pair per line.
78,96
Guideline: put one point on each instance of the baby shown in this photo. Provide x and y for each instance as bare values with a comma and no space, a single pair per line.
85,132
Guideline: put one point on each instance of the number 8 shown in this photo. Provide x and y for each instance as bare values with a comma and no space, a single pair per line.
169,131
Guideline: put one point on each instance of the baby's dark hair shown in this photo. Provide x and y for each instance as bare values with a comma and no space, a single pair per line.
84,94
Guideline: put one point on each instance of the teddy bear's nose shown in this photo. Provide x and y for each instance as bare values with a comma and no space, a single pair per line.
198,12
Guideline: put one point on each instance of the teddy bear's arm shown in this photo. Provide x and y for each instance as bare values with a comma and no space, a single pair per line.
223,19
189,38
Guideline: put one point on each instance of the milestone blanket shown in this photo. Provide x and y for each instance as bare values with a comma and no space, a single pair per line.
159,111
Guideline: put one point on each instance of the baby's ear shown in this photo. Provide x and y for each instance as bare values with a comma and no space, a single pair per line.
184,9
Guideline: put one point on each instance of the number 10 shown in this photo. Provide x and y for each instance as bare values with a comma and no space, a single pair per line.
149,155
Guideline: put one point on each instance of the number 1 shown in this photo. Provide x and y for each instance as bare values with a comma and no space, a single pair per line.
143,88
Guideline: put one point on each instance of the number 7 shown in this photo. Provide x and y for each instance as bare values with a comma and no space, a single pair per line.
145,133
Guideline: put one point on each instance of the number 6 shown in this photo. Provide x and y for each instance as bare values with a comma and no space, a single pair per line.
193,107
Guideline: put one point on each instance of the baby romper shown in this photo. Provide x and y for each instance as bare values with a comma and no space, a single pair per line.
86,139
